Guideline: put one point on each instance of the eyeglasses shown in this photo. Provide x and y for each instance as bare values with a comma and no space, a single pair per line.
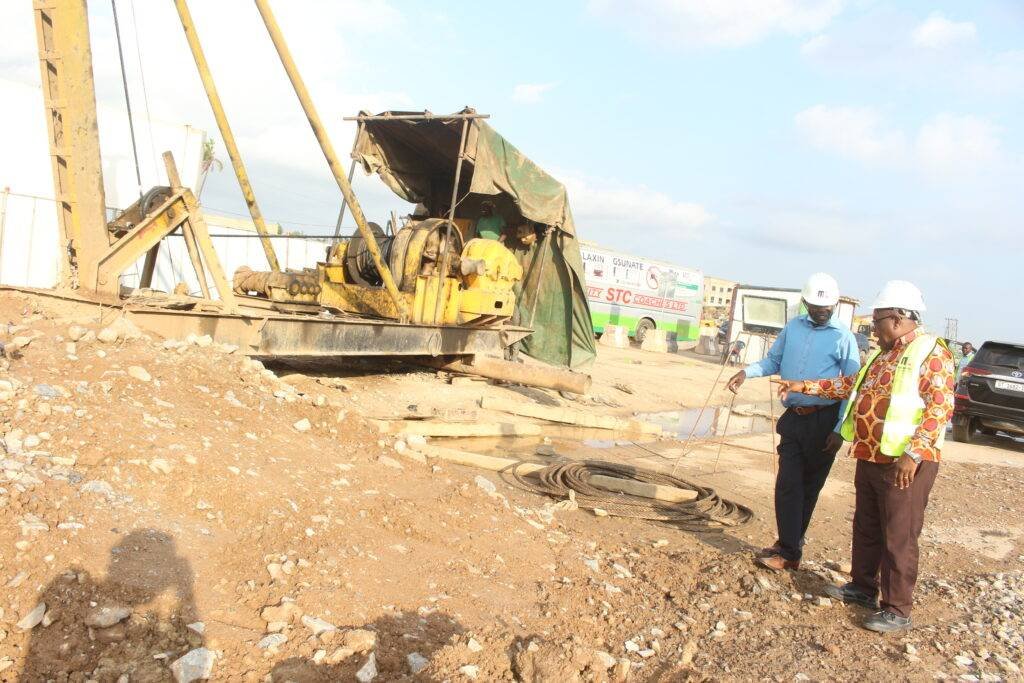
875,321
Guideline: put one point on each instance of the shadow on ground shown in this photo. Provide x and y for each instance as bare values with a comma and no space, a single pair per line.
146,576
397,636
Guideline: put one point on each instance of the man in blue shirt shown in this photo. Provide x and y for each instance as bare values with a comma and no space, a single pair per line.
809,346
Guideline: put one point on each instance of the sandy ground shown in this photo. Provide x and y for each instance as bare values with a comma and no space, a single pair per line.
254,521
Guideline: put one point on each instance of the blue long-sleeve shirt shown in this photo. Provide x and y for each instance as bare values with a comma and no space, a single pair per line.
805,351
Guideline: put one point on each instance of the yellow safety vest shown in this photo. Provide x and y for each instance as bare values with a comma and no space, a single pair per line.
906,407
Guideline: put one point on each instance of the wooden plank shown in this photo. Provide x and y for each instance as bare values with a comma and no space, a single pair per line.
485,462
669,494
458,429
570,416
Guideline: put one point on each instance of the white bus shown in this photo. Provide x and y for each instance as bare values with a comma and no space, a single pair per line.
642,294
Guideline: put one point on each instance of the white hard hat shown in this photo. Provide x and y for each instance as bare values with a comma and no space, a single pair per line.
899,294
821,290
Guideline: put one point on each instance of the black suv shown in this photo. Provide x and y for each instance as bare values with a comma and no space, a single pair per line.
990,393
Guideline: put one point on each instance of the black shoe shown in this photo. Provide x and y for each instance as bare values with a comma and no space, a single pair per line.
886,622
849,592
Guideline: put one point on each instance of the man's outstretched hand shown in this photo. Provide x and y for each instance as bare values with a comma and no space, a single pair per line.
833,443
736,381
787,387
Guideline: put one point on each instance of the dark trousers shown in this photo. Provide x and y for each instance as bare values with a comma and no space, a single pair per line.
886,525
803,468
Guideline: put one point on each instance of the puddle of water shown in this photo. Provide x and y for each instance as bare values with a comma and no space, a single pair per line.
750,418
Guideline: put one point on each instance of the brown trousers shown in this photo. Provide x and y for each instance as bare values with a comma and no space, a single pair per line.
887,522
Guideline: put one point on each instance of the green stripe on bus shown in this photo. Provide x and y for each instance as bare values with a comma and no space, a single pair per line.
685,330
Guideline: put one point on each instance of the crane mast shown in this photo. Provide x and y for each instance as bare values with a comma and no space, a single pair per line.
69,98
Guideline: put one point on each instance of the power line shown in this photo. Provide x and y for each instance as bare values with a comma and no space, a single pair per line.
274,220
127,100
142,79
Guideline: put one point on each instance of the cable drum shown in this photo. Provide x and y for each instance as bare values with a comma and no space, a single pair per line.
708,512
359,263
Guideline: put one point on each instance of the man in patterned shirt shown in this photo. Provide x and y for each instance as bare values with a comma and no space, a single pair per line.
897,411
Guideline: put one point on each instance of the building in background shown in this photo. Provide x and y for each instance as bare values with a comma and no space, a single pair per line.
717,297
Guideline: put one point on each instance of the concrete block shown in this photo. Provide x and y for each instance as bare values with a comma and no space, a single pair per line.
707,346
656,341
615,336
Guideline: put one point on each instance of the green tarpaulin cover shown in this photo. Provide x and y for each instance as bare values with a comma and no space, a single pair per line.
417,160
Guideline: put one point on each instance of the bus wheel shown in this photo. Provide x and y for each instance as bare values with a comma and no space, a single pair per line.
642,328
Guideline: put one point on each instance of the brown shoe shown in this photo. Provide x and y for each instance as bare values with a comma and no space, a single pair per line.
773,549
777,563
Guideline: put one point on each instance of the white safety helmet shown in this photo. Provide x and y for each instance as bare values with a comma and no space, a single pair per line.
899,294
821,290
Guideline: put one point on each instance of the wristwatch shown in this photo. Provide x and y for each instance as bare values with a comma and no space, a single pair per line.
913,456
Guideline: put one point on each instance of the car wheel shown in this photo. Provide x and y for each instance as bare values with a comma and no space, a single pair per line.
963,429
642,328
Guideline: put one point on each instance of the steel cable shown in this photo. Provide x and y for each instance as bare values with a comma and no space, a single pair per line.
708,512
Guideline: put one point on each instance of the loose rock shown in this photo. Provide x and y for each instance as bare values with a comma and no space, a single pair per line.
105,617
317,625
368,671
195,665
139,373
360,640
33,618
417,662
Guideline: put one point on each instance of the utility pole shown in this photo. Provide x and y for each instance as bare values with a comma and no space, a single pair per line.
951,328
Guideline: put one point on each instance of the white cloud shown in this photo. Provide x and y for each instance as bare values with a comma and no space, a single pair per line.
815,45
602,206
852,132
717,23
937,32
1002,73
815,229
946,145
953,144
531,93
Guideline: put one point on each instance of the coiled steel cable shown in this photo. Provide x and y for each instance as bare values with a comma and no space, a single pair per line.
708,512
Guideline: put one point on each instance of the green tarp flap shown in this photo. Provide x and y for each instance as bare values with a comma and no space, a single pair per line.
553,297
417,160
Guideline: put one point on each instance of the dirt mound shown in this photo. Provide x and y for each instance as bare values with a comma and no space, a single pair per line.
169,508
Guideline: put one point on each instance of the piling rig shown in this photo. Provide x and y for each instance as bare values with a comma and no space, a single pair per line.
424,290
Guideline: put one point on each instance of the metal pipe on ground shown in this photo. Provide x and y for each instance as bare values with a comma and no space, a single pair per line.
542,376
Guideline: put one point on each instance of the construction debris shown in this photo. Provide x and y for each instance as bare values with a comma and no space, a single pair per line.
569,416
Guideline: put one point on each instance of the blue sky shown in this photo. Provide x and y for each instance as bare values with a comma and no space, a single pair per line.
758,140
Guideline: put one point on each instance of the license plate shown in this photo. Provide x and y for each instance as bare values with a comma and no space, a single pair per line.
1010,386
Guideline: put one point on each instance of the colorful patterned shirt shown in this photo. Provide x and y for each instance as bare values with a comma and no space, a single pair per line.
936,387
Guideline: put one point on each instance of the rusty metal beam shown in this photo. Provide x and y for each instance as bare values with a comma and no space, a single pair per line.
272,334
425,116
